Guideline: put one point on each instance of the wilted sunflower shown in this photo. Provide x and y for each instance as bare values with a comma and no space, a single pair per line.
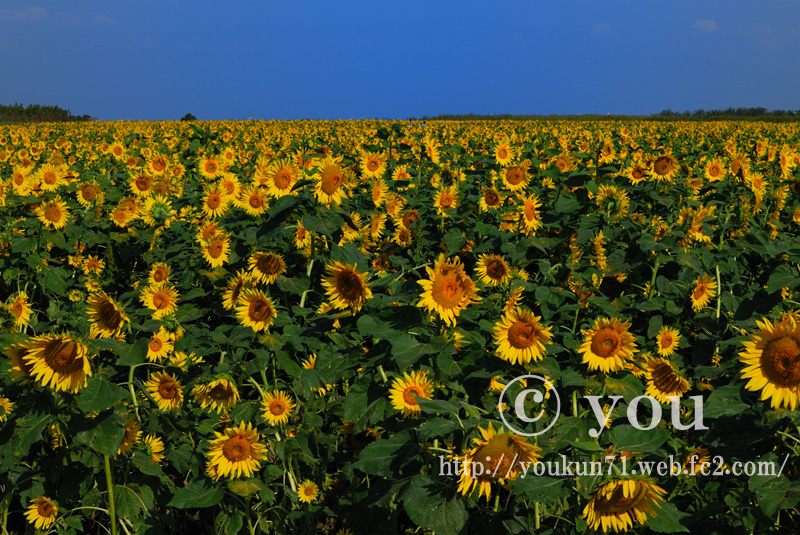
53,213
236,452
448,290
266,267
667,340
704,289
154,447
663,381
772,362
166,390
220,395
607,345
520,336
330,186
19,307
499,456
161,298
160,345
345,286
307,491
58,361
492,269
619,503
106,317
405,392
41,513
255,310
277,407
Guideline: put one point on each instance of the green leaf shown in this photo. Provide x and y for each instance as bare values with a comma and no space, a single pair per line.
29,431
369,326
628,387
782,277
724,401
145,465
436,406
436,428
103,434
667,519
387,456
628,438
541,488
407,350
195,495
431,510
454,240
356,401
99,394
53,280
245,487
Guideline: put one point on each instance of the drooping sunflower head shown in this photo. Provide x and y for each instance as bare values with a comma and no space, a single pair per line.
607,345
499,456
220,395
448,290
772,362
520,336
345,286
620,503
277,407
492,269
154,447
106,316
41,513
664,381
529,214
404,392
131,437
704,289
58,361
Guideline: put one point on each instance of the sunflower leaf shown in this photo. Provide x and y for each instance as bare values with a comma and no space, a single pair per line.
426,508
196,495
99,394
724,401
387,456
667,519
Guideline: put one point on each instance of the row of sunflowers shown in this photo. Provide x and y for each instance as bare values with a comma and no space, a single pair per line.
315,327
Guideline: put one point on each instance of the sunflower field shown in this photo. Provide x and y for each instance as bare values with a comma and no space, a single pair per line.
321,327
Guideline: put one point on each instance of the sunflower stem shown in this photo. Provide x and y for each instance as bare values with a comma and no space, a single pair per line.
575,319
574,403
134,401
536,516
112,512
719,291
258,386
383,374
653,277
496,507
250,526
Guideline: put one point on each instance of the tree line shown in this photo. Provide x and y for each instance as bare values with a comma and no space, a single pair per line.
37,113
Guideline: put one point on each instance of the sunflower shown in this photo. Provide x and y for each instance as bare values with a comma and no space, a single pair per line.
667,340
157,210
266,267
704,290
372,165
50,176
345,286
220,395
621,502
331,181
161,345
307,491
714,170
772,362
378,191
695,460
492,270
166,390
408,218
159,272
500,456
253,200
19,307
351,230
665,167
491,198
6,406
613,201
446,199
448,290
529,214
255,310
88,193
106,317
141,184
41,513
53,213
236,452
636,173
503,154
154,447
515,177
58,361
402,237
277,407
663,381
405,391
217,251
607,345
520,337
280,177
209,167
215,204
131,436
157,164
93,265
161,298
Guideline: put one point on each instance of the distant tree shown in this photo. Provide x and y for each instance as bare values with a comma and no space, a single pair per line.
188,117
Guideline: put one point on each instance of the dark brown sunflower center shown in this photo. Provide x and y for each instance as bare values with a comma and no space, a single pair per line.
666,341
409,218
277,407
89,193
256,201
491,198
215,248
497,457
617,502
349,286
45,509
502,153
372,165
159,275
605,343
522,334
221,392
410,395
446,200
143,183
161,300
780,361
530,211
109,315
156,344
62,356
213,201
666,379
448,290
515,175
269,264
259,310
663,165
282,179
236,449
168,389
52,213
50,177
331,179
17,308
496,269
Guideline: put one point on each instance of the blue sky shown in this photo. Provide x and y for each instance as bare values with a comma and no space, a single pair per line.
388,59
